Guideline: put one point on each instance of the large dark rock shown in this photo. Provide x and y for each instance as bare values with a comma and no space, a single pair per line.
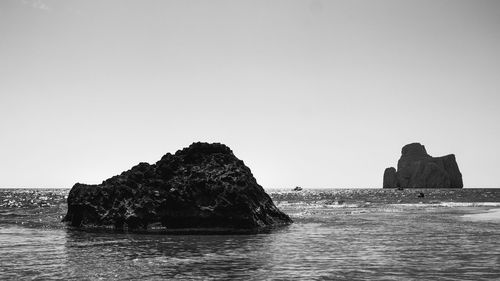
390,177
417,169
201,188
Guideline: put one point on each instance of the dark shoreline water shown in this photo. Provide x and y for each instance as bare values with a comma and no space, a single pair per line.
341,234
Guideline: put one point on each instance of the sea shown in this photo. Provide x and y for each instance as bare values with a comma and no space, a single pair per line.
337,234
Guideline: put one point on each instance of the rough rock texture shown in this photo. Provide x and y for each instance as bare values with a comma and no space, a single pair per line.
417,169
201,188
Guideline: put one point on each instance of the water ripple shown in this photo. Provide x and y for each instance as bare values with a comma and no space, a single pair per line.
341,235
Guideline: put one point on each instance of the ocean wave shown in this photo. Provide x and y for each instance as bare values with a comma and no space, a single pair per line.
332,205
341,205
492,215
448,204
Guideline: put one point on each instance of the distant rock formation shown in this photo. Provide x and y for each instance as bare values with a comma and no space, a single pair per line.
417,169
201,188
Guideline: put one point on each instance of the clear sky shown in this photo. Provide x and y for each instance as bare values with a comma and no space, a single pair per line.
312,93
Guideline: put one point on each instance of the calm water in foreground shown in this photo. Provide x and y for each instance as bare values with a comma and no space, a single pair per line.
339,234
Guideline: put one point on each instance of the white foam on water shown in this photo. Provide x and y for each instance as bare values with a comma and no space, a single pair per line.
449,204
336,206
490,215
470,204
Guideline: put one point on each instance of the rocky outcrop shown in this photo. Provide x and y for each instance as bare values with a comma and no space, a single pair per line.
390,178
417,169
201,188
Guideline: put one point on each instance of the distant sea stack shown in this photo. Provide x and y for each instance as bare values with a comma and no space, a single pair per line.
203,187
417,169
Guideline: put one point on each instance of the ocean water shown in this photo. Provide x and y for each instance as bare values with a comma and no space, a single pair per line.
338,234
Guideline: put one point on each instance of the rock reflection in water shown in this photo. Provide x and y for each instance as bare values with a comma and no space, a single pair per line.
106,255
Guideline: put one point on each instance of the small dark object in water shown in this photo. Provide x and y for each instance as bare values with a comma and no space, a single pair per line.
421,195
400,188
297,188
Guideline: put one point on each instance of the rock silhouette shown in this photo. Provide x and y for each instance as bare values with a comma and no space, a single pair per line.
417,169
203,187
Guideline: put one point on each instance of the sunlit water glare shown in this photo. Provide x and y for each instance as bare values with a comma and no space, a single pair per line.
341,234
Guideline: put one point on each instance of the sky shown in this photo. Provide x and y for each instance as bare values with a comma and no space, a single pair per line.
318,94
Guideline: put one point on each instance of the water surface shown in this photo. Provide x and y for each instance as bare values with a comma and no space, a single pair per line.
343,234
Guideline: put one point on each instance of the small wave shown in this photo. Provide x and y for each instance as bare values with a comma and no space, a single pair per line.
171,261
86,244
315,205
449,204
12,214
341,205
490,215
